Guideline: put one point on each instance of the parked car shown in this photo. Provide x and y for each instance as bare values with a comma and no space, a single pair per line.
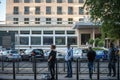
3,55
13,54
26,55
102,54
38,54
77,53
59,56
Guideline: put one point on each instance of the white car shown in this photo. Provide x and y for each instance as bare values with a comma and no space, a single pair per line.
59,56
13,54
77,53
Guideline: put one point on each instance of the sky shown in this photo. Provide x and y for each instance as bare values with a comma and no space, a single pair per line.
2,10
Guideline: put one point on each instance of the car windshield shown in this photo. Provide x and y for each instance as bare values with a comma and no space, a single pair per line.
28,51
77,51
38,51
99,52
14,52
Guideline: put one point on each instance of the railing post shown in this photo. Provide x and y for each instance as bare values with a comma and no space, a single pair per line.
17,65
64,66
118,78
2,64
14,78
77,70
34,69
56,69
98,70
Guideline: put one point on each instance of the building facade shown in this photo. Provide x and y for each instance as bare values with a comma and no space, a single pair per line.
40,23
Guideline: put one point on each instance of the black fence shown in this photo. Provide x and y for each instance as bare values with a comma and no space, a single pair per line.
16,67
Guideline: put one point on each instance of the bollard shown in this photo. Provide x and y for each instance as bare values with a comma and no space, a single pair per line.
98,70
14,78
56,70
77,70
34,63
118,77
79,66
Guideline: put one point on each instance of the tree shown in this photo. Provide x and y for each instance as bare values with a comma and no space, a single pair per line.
91,41
107,14
101,43
97,41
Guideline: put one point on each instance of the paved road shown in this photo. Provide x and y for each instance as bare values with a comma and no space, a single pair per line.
25,71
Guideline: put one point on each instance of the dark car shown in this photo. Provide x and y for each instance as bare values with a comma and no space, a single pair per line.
38,54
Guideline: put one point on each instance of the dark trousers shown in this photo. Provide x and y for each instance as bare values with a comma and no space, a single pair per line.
90,67
112,67
69,68
52,70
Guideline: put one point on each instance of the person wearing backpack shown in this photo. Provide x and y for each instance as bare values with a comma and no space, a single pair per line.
112,60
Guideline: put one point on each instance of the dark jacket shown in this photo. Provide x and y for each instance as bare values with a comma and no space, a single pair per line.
91,55
53,54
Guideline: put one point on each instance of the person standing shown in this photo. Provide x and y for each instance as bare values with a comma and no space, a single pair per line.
91,58
52,61
112,60
68,59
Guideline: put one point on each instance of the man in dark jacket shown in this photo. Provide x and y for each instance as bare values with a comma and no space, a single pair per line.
91,58
112,60
51,61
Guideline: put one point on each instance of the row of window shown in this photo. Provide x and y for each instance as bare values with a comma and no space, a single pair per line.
47,21
49,10
48,1
47,40
46,32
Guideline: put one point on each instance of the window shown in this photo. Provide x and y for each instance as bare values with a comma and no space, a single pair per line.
59,1
72,40
37,1
26,10
26,20
26,1
85,38
60,40
24,40
81,1
48,32
81,10
35,40
48,20
36,32
59,20
16,1
37,20
70,20
59,32
59,10
24,32
48,1
37,10
70,1
70,32
16,10
47,40
81,19
70,10
48,10
15,20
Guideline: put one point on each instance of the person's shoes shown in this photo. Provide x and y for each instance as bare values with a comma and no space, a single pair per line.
67,76
109,75
113,75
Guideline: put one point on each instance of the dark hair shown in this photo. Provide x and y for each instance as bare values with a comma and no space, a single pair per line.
53,46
